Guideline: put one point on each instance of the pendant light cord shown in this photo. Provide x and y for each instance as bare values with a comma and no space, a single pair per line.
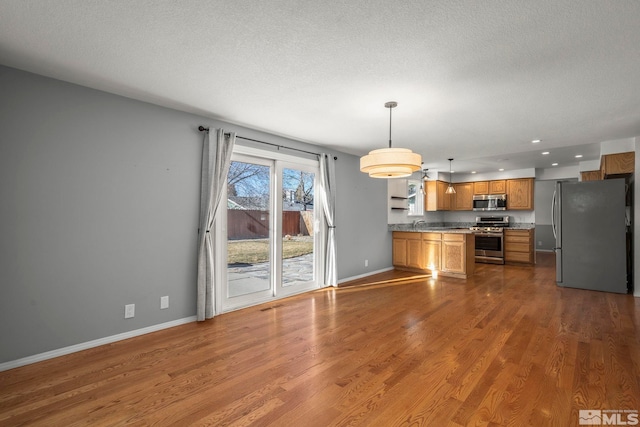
390,109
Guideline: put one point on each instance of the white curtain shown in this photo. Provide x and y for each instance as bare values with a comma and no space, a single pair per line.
216,159
328,194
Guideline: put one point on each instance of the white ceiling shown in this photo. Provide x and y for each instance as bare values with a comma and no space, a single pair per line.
474,80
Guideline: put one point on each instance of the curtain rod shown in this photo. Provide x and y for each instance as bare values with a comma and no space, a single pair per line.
204,129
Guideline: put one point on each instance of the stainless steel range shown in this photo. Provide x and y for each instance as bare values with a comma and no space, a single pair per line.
489,232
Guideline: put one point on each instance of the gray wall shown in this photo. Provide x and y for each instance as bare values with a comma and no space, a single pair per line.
99,208
361,221
543,194
544,189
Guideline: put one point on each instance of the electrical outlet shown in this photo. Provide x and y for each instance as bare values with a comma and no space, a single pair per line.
164,302
129,311
539,243
366,263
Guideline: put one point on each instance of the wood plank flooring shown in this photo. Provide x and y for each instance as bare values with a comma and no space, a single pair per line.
504,348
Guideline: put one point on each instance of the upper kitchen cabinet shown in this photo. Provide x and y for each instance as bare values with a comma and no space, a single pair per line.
498,186
520,194
480,187
490,187
463,198
617,165
590,176
435,197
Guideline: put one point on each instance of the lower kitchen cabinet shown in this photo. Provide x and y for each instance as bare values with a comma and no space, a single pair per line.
431,250
407,250
519,247
458,254
451,254
399,251
415,259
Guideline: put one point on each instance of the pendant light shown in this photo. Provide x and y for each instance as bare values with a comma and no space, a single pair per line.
450,189
425,176
390,162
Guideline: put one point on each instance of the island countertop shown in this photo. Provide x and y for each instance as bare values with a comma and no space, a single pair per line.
463,229
445,230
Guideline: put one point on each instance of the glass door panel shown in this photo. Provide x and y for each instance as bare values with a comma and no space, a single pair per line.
249,242
298,227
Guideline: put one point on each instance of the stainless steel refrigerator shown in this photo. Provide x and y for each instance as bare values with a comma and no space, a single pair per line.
589,224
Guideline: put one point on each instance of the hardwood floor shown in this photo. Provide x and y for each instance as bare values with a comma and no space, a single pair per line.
505,348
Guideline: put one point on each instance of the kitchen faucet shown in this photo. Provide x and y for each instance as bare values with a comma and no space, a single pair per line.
418,221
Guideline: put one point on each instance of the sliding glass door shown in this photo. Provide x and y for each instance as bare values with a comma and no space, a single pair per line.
249,232
299,247
270,227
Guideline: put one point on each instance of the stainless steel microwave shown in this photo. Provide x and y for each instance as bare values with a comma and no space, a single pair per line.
490,202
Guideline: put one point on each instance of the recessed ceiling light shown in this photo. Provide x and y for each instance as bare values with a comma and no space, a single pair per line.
554,164
544,153
578,156
535,141
501,169
473,171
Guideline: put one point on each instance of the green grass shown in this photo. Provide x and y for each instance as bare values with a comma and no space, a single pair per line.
257,250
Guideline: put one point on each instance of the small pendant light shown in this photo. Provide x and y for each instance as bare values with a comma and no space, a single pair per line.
450,189
390,162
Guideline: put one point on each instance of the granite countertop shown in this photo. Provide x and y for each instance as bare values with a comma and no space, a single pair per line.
452,228
425,228
521,227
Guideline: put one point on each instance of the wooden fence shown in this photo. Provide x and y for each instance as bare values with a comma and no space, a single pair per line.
254,224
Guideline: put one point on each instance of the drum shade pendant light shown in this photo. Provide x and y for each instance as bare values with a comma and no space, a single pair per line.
390,162
450,189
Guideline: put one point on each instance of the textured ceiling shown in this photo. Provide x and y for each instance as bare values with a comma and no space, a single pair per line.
474,80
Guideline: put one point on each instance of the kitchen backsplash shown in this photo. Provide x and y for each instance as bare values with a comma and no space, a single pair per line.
514,216
457,217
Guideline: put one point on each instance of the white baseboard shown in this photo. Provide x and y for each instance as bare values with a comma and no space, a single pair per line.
90,344
360,276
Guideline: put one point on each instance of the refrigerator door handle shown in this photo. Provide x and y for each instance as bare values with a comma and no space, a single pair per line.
553,214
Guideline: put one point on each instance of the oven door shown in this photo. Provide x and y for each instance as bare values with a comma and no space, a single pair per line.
489,247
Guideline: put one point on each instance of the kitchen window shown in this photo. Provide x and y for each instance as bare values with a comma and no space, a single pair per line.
415,198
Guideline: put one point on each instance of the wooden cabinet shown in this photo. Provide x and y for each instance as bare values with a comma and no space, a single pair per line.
453,259
399,251
520,194
407,250
612,166
590,176
519,246
617,165
444,199
414,252
458,254
463,199
431,250
451,254
481,187
435,198
498,186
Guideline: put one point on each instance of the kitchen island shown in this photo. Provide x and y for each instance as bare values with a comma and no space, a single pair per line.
439,251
